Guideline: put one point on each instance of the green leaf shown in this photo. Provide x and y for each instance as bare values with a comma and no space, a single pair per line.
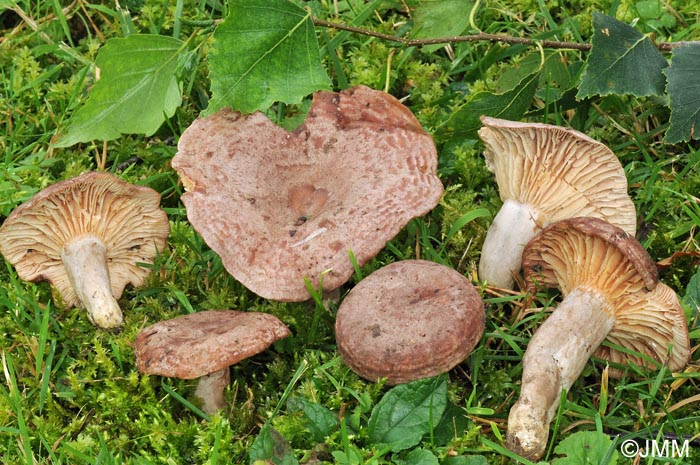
265,51
684,90
622,61
321,421
465,460
271,446
584,448
418,457
440,18
464,122
408,412
137,90
692,293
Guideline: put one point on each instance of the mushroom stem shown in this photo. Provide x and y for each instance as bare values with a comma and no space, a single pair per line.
554,359
210,390
501,254
85,260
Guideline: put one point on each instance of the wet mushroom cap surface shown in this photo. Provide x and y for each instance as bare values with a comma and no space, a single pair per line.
127,218
647,314
281,206
197,344
409,320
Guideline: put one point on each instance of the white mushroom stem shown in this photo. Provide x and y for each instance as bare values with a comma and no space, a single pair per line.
501,255
210,390
554,359
85,260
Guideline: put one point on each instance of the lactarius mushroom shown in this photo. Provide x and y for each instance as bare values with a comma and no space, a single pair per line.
89,237
282,206
409,320
204,345
544,174
611,291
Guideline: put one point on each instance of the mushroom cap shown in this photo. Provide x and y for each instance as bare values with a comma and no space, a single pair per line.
197,344
127,218
409,320
559,172
592,254
289,205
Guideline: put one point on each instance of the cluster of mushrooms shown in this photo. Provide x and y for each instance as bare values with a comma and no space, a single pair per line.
263,199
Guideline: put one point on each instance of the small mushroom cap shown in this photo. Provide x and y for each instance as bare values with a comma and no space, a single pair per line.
559,172
197,344
125,217
409,320
289,205
592,254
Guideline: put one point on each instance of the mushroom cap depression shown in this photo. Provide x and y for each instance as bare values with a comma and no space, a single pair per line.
592,254
127,218
197,344
558,172
409,320
281,206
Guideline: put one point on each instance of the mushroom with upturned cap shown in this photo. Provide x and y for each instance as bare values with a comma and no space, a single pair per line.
409,320
204,345
87,236
611,292
545,173
289,205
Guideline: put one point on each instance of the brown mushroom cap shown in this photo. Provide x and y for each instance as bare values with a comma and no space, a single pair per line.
592,254
409,320
197,344
289,205
559,172
125,217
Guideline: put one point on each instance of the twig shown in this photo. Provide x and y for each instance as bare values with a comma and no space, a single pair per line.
481,37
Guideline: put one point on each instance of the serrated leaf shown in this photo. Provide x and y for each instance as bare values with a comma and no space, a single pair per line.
137,90
622,61
464,122
265,51
440,18
586,447
407,412
684,90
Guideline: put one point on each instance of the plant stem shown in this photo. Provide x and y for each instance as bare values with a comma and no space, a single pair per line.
480,37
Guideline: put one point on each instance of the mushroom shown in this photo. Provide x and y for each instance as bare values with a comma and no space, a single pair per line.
204,345
611,291
282,206
87,236
409,320
544,174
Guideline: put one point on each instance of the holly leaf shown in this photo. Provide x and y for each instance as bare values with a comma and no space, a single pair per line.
407,412
684,90
265,51
622,61
464,122
440,18
137,90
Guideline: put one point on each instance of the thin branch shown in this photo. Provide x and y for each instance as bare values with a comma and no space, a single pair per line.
481,37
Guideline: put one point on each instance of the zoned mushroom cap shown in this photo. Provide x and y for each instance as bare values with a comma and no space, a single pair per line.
409,320
282,206
592,254
558,172
197,344
125,217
